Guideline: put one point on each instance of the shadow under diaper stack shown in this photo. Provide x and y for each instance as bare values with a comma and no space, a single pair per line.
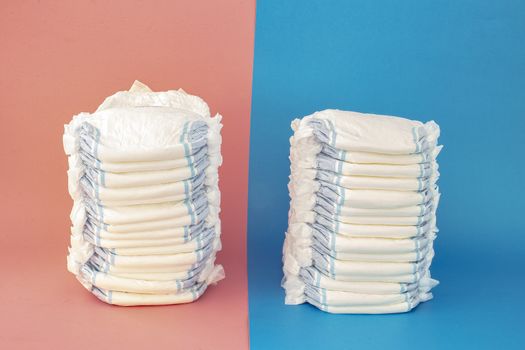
143,174
362,215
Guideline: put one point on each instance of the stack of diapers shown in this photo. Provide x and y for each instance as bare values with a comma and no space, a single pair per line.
362,217
143,174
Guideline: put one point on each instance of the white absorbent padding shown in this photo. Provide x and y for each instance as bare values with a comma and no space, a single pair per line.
303,235
108,281
352,131
379,158
143,174
126,167
179,297
145,178
326,163
151,235
148,212
355,182
362,219
176,223
340,197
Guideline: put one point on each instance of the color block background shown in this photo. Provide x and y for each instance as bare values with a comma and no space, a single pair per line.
461,63
59,58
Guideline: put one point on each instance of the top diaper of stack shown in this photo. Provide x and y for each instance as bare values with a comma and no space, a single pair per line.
362,212
143,174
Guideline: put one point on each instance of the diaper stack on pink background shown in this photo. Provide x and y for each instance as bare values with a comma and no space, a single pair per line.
143,174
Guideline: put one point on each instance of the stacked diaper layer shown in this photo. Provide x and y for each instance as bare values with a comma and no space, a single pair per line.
362,217
143,174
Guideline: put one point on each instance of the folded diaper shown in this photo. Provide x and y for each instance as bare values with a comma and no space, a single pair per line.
143,174
362,217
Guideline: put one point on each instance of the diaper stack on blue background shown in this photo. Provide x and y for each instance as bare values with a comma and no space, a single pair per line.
143,174
362,215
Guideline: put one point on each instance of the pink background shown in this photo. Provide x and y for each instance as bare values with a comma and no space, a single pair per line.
59,58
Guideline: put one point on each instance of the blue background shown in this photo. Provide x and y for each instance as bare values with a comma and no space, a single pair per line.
461,63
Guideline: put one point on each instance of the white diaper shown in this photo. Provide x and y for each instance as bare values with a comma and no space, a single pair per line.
352,182
351,131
